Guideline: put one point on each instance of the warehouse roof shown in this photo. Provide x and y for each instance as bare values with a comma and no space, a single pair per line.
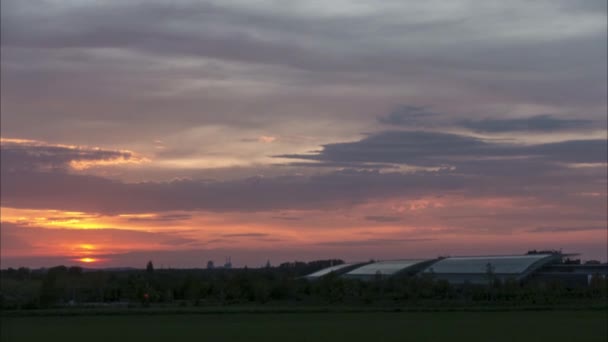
505,264
385,268
328,270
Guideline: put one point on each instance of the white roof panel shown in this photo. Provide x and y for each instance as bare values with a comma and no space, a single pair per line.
384,267
508,264
328,270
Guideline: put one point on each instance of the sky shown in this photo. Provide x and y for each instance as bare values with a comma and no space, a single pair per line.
187,131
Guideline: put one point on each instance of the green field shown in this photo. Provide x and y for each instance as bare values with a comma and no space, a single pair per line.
366,326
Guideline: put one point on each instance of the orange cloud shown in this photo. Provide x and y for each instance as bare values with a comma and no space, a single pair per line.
267,139
86,164
77,157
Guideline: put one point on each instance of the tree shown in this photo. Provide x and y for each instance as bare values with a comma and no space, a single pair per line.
150,267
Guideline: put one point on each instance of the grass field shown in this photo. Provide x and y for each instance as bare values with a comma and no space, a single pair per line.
369,326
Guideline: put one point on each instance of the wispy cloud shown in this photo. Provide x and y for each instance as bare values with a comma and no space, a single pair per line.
380,218
23,154
251,235
566,229
538,123
374,242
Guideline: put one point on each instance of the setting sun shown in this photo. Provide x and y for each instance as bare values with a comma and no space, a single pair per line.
88,260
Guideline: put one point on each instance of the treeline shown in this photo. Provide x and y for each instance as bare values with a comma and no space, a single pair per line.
72,286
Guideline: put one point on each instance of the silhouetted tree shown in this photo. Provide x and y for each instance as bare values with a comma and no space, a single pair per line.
150,267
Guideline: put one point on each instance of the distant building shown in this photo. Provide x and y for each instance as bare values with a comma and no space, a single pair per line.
485,269
210,265
228,263
544,266
388,268
572,275
337,269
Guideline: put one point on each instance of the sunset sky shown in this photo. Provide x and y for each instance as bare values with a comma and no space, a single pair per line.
187,131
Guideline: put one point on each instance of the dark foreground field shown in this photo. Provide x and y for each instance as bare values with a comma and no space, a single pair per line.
370,326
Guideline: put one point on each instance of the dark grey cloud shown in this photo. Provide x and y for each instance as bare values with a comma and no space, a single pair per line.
538,123
470,165
442,149
415,117
332,165
399,147
35,155
125,65
96,194
224,31
407,116
597,7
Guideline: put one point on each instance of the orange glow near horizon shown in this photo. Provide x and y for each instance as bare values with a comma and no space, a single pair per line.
386,228
86,246
74,220
88,260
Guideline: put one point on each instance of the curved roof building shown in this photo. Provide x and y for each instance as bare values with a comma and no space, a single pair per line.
388,268
483,269
339,269
455,270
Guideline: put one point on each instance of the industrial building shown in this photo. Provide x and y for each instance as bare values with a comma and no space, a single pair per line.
571,275
483,269
475,269
389,268
336,269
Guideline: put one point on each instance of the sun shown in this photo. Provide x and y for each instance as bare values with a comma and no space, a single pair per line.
88,260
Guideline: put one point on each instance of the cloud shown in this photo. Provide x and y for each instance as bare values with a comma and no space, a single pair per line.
181,242
161,218
423,148
267,139
466,165
191,84
27,155
119,68
558,229
18,239
415,117
538,123
286,218
383,219
407,116
252,235
373,242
